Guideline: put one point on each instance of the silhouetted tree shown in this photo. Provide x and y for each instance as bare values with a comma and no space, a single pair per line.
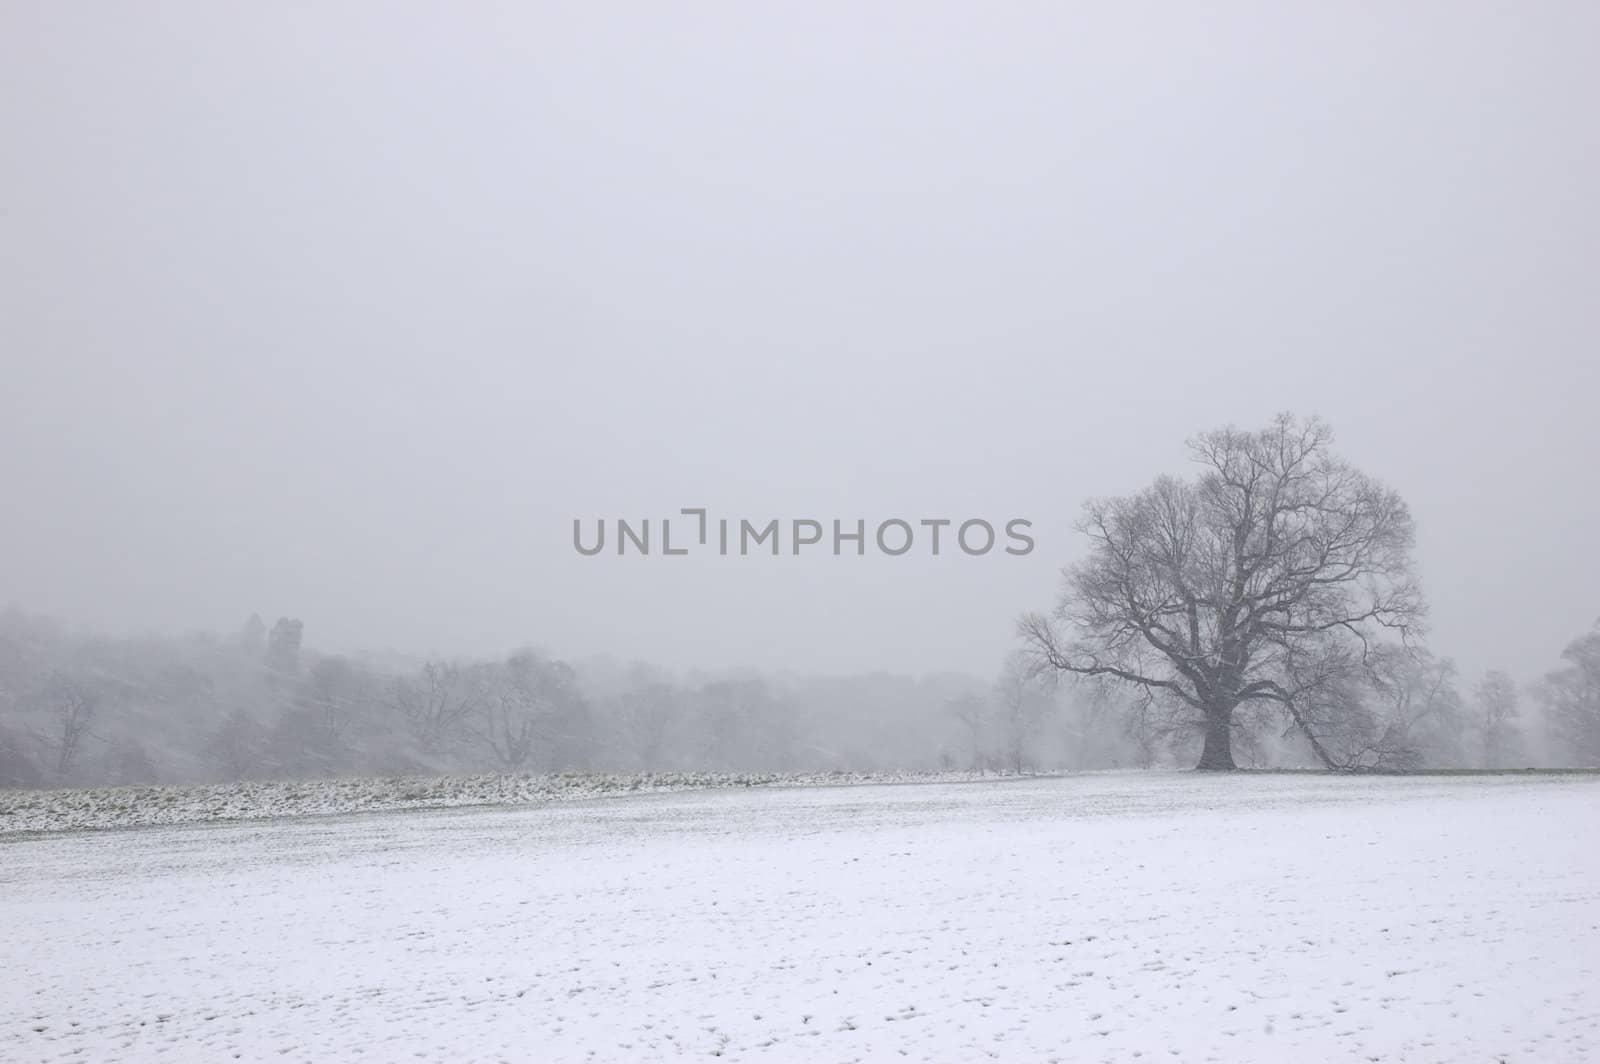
526,701
1266,579
75,702
439,700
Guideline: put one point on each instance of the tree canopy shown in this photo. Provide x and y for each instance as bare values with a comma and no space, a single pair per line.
1271,578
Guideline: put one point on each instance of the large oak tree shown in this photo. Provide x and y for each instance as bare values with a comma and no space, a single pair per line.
1269,579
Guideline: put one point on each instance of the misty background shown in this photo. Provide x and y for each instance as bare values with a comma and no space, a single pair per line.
344,313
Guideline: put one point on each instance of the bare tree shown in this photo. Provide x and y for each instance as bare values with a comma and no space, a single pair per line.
521,704
510,725
75,704
1419,712
1495,710
439,701
1397,713
1571,697
1266,579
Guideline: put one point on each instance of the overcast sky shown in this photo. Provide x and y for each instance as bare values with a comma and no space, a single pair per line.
345,311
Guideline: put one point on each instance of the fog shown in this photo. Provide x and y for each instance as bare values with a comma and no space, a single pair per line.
345,313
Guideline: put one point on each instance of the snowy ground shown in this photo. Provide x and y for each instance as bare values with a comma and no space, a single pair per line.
1122,917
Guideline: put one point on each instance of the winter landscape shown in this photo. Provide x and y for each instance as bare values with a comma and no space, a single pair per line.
596,532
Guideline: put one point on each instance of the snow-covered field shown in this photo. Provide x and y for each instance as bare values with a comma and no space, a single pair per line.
1106,917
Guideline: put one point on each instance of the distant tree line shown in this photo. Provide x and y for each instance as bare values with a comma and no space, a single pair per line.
94,711
259,703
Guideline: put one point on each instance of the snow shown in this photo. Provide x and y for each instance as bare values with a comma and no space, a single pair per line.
120,807
1104,917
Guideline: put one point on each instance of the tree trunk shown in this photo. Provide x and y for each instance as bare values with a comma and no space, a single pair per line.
1218,753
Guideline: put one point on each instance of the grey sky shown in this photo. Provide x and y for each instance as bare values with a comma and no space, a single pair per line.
345,311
